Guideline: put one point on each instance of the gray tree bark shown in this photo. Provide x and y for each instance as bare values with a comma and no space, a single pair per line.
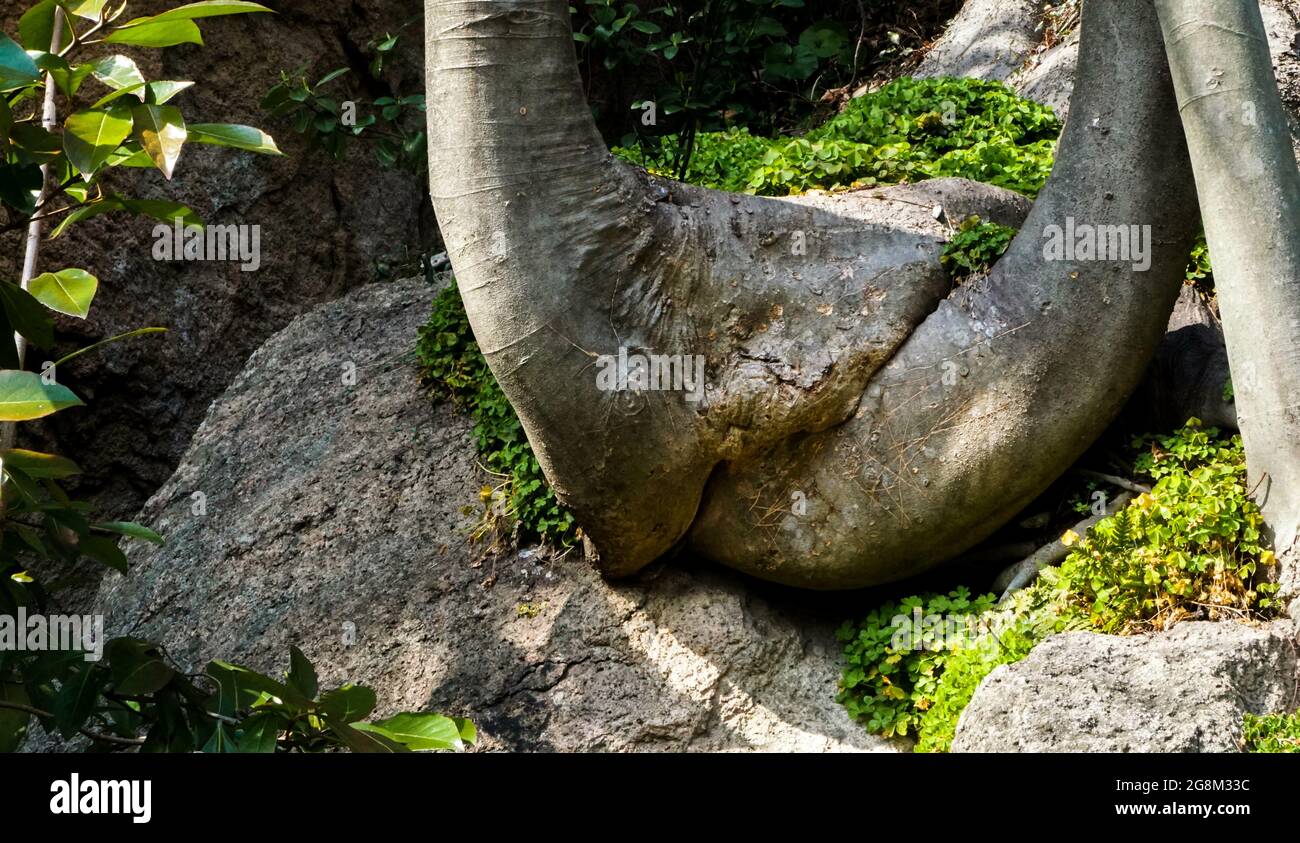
1249,191
863,419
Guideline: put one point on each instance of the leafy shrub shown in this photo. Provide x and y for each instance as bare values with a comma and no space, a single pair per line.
975,246
909,130
764,64
963,671
1272,733
392,124
1192,546
455,369
891,679
135,697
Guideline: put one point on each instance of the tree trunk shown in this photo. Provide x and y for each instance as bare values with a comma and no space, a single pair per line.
1249,191
862,420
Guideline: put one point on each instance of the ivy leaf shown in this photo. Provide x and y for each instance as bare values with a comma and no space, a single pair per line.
90,136
161,131
24,396
68,291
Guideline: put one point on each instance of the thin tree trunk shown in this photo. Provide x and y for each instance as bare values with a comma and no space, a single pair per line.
1249,191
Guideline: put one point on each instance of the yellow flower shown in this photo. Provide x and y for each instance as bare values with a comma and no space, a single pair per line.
1070,538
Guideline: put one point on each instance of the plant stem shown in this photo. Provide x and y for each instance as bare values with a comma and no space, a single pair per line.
49,117
95,736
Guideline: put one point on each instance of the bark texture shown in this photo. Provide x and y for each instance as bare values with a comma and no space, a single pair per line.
1249,190
863,420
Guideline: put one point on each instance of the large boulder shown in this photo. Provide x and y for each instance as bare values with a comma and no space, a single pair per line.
1184,690
324,227
336,500
988,39
1046,72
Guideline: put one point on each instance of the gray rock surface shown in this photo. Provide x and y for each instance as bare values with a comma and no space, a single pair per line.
324,226
1184,690
1047,75
1189,372
988,39
339,513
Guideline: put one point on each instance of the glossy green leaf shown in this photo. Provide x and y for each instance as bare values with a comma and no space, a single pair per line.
209,9
221,741
36,27
302,674
167,33
130,528
258,733
20,186
88,9
17,69
104,550
35,144
365,742
239,137
23,396
129,156
161,132
117,72
39,465
418,730
26,315
160,92
347,704
68,291
136,667
90,136
78,696
138,332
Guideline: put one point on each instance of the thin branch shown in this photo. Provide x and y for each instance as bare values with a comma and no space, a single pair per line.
95,736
